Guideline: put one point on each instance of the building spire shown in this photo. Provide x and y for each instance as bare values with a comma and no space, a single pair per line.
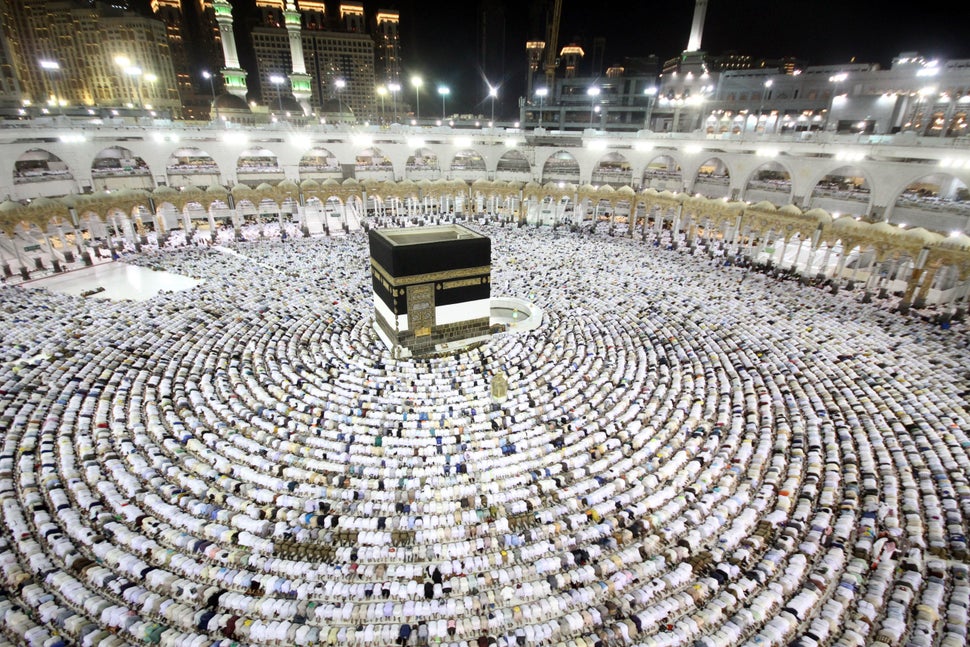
697,27
299,79
232,73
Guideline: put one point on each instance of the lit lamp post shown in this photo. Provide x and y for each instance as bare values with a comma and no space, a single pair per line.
278,81
444,91
492,93
340,84
761,106
592,93
651,94
836,79
417,82
135,72
125,64
212,89
542,93
394,88
151,79
381,91
50,67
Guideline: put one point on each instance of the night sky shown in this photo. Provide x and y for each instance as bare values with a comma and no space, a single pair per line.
438,36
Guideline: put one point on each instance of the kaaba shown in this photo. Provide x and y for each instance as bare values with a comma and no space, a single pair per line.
431,286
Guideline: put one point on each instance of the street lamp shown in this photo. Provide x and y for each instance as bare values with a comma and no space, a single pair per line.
381,91
417,82
212,89
339,84
151,79
651,94
126,67
492,93
542,93
444,91
135,72
50,67
592,93
836,79
394,88
761,106
278,81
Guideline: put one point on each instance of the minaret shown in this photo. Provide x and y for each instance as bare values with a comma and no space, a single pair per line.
232,73
697,27
299,79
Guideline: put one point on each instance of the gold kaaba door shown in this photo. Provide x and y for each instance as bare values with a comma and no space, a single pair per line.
421,309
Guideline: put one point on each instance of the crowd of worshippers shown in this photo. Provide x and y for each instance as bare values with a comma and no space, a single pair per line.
690,452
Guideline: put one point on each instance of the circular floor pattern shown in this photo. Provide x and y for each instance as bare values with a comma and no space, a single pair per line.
687,455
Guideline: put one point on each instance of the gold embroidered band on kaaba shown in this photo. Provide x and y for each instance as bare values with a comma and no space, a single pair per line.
447,275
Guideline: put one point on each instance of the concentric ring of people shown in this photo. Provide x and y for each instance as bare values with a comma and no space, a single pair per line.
689,454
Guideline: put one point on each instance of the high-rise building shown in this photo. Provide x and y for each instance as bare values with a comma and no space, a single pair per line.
571,55
338,64
352,17
387,44
533,49
9,84
177,21
314,13
66,54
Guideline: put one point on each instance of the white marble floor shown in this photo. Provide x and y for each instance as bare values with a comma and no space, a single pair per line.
119,280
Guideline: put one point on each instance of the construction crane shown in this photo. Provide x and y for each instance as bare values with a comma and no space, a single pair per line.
552,43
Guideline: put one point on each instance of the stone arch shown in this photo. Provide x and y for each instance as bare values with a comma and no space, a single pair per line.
257,165
842,190
191,166
513,165
613,169
771,182
936,201
117,167
663,173
422,165
713,179
40,165
468,164
371,163
561,166
318,163
166,216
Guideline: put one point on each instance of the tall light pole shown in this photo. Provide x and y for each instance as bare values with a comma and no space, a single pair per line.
125,64
340,84
444,91
651,94
381,91
542,93
278,81
50,67
151,79
394,88
492,93
135,72
212,90
592,93
761,106
836,79
417,82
